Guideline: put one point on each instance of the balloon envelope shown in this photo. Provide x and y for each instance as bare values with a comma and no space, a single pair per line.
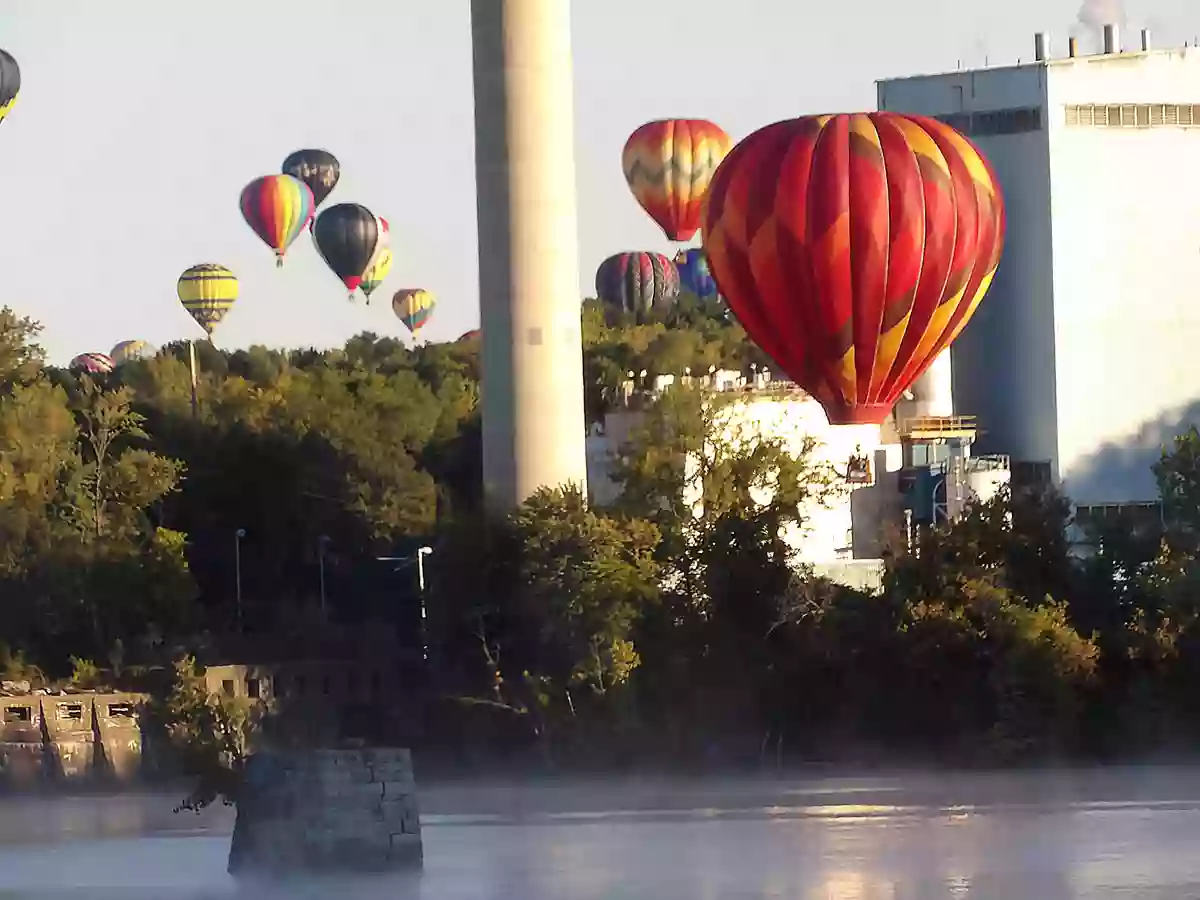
347,236
129,350
637,283
277,207
92,363
694,273
10,83
413,307
669,165
207,292
378,272
853,249
319,169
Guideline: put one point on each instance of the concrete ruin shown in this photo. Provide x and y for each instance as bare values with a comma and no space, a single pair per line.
348,810
69,739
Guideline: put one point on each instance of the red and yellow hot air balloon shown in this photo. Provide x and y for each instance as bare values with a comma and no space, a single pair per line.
669,165
854,249
277,207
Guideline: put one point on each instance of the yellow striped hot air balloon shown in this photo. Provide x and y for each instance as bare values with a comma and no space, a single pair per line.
207,292
413,307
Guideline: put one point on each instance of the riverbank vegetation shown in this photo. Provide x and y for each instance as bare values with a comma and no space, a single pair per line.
134,534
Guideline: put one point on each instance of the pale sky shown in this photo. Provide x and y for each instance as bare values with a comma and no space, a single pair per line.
140,121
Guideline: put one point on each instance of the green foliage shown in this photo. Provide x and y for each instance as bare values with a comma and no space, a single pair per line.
212,735
676,625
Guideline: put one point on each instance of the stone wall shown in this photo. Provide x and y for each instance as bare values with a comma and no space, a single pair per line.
327,810
57,738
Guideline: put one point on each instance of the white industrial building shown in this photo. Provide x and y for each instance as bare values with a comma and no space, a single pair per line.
916,468
1084,358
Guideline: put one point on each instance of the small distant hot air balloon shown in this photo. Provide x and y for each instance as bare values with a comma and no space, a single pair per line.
92,363
413,307
377,273
637,283
277,207
207,292
10,83
694,274
347,236
130,350
319,169
467,336
854,249
669,165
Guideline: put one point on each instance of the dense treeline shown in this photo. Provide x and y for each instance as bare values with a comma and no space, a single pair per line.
651,631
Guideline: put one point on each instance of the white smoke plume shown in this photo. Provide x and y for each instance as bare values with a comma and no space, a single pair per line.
1095,14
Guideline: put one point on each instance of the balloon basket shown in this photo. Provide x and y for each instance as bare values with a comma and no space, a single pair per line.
279,262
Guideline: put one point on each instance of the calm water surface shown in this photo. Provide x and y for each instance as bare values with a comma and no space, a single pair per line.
1128,833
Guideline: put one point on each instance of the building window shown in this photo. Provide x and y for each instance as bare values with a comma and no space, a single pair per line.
70,712
227,687
1132,115
253,688
1017,120
18,715
120,710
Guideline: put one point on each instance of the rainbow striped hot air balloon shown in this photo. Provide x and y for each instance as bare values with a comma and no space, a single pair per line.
413,307
92,363
207,292
854,249
669,165
277,207
130,350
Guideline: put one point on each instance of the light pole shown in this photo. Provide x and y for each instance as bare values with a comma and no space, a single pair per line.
420,555
322,543
237,571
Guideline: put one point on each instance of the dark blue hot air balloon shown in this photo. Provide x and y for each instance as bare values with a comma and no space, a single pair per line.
694,273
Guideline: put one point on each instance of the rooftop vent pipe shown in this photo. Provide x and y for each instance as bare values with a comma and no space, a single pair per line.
1145,40
1039,46
1073,47
1112,39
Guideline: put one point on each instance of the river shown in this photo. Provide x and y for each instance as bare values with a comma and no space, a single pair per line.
1115,833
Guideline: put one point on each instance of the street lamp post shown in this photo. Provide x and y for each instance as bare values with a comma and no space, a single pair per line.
322,543
420,555
237,571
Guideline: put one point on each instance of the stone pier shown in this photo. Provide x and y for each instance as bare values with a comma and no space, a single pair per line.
327,810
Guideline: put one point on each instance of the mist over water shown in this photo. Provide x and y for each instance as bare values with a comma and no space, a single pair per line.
1045,836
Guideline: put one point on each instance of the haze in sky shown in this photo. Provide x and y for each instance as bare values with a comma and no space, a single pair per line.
140,121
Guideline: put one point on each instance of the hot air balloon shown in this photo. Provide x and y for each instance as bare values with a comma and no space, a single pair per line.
346,236
377,273
207,292
694,274
92,363
854,249
130,350
319,169
413,307
277,207
637,283
10,83
669,165
467,336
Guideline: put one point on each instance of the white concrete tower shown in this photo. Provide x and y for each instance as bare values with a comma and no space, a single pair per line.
533,418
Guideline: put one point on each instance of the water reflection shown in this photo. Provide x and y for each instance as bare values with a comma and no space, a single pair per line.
1091,836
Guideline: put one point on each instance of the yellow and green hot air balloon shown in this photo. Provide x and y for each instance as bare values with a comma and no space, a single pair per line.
377,273
413,307
207,292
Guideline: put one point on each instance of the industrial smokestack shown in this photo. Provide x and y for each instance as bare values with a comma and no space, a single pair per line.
1039,46
533,418
1073,47
1145,40
1112,39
